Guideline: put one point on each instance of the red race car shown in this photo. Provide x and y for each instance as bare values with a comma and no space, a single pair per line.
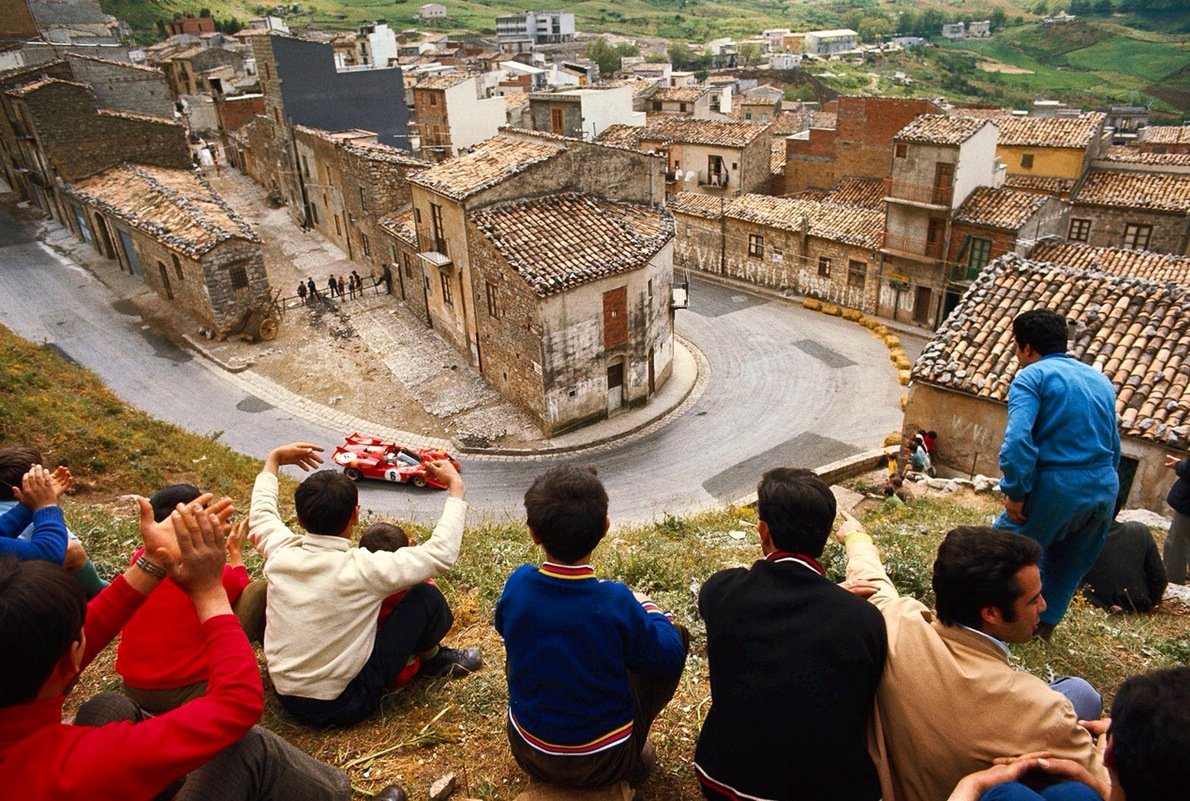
372,457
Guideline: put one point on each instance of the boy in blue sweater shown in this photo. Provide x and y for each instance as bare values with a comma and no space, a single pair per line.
590,663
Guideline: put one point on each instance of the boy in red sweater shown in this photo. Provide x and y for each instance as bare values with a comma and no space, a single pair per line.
208,747
161,656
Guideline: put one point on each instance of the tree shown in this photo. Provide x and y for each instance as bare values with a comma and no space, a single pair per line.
680,56
998,18
907,23
608,56
749,52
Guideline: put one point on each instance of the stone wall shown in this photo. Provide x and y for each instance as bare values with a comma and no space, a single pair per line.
372,188
236,110
125,87
82,141
1171,232
541,114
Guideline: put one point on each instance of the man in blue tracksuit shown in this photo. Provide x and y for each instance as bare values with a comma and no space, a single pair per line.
1059,457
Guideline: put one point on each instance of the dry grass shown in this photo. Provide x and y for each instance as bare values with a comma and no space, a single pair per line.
434,727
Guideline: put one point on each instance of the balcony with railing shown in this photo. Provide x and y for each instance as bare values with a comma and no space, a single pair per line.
913,247
933,195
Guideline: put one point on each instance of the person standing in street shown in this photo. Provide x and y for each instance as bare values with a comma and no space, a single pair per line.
1177,543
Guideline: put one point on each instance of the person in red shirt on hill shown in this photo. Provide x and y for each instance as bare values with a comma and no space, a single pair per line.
161,656
208,748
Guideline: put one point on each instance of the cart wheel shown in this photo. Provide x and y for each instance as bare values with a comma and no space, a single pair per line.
419,481
352,473
268,329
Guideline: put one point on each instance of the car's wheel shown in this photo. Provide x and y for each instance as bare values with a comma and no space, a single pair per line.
419,481
352,473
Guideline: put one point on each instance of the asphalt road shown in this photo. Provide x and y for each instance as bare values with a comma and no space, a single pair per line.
786,386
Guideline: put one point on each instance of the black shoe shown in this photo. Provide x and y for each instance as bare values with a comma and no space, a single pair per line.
453,662
393,792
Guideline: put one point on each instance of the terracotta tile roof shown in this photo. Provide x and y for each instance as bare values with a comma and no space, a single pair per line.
113,62
401,225
866,192
140,117
1005,209
815,194
176,207
29,88
683,94
777,157
1077,132
1134,263
993,114
694,203
849,224
492,161
1044,184
1136,190
375,151
1134,330
1165,135
444,80
704,132
562,241
621,135
1130,155
940,129
515,100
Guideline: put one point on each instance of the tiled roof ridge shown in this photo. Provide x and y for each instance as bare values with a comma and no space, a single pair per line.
113,62
41,83
139,116
183,202
485,220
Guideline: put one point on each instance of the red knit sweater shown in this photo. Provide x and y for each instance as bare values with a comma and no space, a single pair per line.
43,758
162,647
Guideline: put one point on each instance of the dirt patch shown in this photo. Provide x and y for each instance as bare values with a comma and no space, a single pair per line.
988,65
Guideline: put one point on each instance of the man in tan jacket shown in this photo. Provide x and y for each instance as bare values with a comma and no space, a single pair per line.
949,703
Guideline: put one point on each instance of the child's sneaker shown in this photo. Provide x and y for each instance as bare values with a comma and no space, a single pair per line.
453,662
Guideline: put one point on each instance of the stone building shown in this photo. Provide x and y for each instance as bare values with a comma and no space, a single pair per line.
818,248
1133,210
574,294
694,101
856,141
582,113
121,86
721,159
462,261
191,70
53,131
938,161
995,221
1131,320
168,227
302,86
1165,139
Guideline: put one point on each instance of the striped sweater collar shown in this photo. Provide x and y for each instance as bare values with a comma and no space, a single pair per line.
801,559
556,570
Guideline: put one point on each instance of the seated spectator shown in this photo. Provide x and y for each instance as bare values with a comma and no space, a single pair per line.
785,644
1148,737
38,509
210,746
590,663
391,537
161,655
917,458
949,703
15,461
329,660
1129,575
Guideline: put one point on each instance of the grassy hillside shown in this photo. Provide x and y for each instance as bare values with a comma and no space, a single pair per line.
434,727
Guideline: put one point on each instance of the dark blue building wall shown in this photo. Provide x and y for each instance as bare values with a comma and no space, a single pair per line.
317,96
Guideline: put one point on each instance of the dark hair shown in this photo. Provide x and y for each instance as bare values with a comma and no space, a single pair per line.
383,537
566,506
42,608
1043,329
15,461
325,502
166,499
798,508
976,567
1150,735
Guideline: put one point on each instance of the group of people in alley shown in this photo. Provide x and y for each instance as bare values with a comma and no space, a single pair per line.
343,288
843,692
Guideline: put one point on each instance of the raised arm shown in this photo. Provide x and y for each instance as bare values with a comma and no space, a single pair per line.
863,561
266,530
38,494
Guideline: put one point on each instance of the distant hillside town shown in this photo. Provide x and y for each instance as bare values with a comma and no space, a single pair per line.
534,209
